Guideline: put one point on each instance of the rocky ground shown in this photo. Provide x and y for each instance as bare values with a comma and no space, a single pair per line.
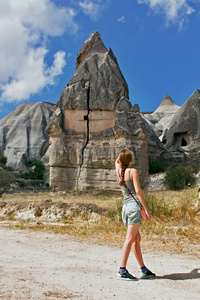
38,265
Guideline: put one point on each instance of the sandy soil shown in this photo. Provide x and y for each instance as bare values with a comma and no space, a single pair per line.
37,265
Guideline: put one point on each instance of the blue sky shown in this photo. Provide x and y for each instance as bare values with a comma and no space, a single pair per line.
156,43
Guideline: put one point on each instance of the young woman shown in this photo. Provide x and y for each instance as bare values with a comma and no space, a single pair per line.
131,214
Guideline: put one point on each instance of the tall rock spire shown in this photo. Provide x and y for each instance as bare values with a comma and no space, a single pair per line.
98,74
93,121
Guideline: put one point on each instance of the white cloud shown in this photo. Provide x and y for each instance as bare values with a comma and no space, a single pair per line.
33,75
56,68
93,8
176,11
25,27
121,20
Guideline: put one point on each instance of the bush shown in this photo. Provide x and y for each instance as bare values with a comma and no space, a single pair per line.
156,166
179,177
5,179
36,170
3,160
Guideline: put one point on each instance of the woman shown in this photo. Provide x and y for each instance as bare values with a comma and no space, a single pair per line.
129,182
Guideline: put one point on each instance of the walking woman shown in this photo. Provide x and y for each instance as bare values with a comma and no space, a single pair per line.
129,183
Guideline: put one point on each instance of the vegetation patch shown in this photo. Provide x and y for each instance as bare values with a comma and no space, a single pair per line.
175,224
179,177
156,166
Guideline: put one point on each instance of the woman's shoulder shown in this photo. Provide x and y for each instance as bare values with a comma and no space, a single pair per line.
117,165
118,170
133,171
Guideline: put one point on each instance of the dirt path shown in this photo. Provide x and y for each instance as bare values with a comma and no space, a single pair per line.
37,265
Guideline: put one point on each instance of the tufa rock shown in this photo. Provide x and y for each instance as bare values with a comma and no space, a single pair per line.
178,130
23,135
93,121
184,131
160,119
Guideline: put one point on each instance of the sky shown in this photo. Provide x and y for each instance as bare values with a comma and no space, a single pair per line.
156,43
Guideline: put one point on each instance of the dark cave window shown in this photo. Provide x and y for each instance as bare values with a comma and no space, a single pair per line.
183,142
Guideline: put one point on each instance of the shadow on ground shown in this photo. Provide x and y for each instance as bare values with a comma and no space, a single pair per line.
194,274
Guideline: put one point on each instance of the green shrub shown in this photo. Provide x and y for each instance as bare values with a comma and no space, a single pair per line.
156,166
36,170
9,168
5,179
3,160
179,177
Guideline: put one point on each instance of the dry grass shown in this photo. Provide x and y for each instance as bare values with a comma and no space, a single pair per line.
102,198
175,226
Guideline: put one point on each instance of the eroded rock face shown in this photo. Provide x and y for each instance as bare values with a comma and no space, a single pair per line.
93,121
184,131
23,135
161,118
178,131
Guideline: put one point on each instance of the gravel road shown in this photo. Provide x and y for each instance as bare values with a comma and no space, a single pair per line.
38,265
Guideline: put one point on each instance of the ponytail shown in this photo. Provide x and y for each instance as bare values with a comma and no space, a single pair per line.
122,182
124,159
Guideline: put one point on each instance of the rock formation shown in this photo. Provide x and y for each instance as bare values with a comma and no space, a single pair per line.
93,121
23,135
177,128
160,119
184,129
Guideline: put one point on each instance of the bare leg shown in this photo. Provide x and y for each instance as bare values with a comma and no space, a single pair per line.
137,250
132,231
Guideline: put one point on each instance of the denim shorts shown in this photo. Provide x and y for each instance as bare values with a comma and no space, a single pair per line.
131,213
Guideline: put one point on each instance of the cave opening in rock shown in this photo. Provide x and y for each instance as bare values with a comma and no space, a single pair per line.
183,142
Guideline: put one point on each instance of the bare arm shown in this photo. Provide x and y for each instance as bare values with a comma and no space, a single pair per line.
138,190
117,168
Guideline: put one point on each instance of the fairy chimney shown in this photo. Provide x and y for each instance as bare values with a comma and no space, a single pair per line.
184,130
93,121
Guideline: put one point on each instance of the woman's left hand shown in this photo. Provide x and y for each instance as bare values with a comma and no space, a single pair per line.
148,215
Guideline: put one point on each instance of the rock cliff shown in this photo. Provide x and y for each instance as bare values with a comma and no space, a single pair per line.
23,135
93,121
184,130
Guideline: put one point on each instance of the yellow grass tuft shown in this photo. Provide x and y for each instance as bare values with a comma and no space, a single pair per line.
175,224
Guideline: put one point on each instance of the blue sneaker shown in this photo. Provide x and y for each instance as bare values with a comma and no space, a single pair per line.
147,274
126,276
